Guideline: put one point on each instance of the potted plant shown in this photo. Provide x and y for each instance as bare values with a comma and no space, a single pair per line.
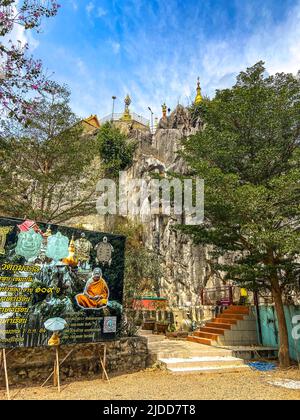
149,325
162,327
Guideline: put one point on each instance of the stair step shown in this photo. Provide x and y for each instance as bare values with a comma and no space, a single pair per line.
213,352
236,312
233,317
216,325
206,334
199,362
238,309
199,340
214,369
213,330
186,355
224,321
238,320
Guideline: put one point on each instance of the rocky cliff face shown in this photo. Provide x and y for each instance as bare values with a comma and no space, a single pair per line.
186,266
168,137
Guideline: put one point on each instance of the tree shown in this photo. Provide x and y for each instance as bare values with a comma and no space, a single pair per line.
20,75
50,167
115,150
249,156
142,270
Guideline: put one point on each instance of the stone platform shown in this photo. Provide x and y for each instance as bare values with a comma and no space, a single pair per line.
187,357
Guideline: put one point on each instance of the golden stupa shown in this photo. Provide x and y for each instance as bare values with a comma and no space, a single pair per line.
198,98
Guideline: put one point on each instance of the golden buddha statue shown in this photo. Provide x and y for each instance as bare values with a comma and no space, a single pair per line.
71,260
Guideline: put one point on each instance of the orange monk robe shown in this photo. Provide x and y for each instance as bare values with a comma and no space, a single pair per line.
94,289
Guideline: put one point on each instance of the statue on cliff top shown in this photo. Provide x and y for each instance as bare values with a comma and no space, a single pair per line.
127,115
181,117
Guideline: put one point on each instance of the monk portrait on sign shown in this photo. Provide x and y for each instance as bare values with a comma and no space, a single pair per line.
96,292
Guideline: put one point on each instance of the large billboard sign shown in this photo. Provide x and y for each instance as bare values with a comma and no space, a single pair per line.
57,281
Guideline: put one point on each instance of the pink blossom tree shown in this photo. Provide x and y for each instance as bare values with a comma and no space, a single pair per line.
22,79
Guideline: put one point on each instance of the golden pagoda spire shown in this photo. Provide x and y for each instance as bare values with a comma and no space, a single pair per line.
198,98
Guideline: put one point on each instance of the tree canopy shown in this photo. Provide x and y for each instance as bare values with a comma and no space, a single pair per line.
22,79
115,149
249,156
49,166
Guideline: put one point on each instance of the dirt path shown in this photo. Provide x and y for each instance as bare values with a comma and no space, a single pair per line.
162,385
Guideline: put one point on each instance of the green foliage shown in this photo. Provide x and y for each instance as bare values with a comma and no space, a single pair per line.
46,162
116,151
248,155
142,266
142,271
198,110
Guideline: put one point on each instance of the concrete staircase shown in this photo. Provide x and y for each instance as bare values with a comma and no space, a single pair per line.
181,356
203,364
236,326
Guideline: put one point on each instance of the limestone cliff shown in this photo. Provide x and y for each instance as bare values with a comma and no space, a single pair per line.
186,266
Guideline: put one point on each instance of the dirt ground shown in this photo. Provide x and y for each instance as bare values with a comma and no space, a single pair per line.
160,385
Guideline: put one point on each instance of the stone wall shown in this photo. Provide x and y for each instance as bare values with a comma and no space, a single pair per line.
35,365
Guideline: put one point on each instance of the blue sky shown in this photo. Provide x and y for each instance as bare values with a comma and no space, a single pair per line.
155,50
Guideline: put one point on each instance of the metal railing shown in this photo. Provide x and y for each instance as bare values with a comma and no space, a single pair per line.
223,296
134,117
229,295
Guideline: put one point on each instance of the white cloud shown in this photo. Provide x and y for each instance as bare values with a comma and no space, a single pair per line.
82,68
18,34
90,7
101,12
74,4
280,45
32,42
116,46
163,62
169,70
